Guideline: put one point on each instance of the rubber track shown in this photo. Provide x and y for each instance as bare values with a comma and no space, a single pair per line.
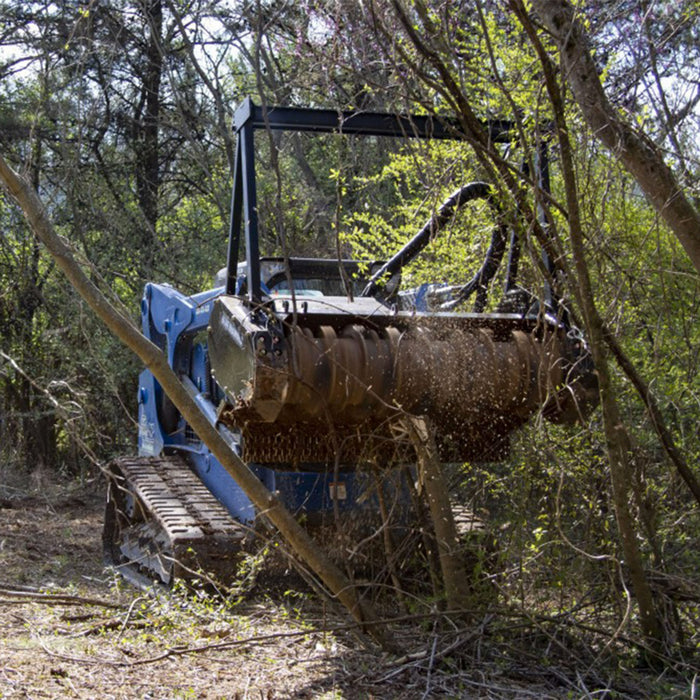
200,532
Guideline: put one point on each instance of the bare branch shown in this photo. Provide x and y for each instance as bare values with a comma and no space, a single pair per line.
639,155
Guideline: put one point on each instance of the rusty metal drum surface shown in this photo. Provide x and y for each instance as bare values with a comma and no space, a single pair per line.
476,378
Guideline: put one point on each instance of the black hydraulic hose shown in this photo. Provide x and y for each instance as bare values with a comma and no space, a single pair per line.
467,193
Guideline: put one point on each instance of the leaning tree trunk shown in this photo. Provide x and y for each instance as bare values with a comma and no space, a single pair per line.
156,362
638,154
454,579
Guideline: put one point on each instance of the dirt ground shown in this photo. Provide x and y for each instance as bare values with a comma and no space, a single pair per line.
69,628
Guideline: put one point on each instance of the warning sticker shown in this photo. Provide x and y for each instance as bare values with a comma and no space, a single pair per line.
338,490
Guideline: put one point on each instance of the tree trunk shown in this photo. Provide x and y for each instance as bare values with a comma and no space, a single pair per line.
148,157
156,362
454,576
639,155
617,439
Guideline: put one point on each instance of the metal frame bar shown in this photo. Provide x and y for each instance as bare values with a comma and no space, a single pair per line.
365,123
249,117
543,182
234,236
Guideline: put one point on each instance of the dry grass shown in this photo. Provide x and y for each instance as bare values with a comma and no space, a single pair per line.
71,629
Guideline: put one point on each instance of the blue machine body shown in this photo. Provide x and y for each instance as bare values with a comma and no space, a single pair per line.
295,359
177,323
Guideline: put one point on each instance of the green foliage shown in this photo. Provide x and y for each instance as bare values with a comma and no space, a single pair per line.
393,204
79,120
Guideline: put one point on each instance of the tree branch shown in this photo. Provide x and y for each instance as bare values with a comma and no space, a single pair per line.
638,154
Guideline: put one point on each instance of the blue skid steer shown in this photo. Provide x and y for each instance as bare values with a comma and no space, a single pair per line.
307,365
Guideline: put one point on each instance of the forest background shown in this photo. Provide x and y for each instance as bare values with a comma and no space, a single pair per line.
119,114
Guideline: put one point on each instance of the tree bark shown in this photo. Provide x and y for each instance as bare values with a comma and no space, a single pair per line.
454,577
638,154
124,329
148,127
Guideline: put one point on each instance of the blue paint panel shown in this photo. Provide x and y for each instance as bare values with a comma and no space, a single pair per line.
223,486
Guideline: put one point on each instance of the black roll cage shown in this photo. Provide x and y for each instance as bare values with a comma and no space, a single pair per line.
250,117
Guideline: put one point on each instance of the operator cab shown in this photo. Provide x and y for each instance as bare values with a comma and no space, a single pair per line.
310,277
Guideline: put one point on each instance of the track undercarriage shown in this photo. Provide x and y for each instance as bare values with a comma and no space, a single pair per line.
162,523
